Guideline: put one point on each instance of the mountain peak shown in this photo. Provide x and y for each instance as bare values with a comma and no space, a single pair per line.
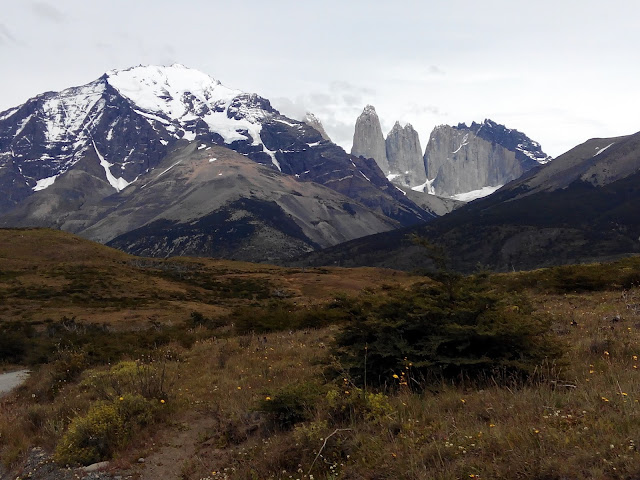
312,120
369,110
368,140
164,89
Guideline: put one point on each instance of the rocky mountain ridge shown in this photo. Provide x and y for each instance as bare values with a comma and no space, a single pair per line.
457,160
464,159
581,207
368,140
404,155
313,121
66,155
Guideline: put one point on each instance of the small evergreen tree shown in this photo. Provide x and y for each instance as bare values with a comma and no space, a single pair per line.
450,329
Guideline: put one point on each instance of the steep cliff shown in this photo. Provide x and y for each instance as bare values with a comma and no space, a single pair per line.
404,155
463,159
368,140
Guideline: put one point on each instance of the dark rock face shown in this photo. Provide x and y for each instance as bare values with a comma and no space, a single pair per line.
462,159
368,141
404,154
262,233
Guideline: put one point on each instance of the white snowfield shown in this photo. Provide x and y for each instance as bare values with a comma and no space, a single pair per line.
181,95
475,194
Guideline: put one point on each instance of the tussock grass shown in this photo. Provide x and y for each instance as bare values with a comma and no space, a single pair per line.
264,390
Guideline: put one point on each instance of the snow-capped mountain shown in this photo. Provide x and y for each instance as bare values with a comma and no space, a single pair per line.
125,116
99,139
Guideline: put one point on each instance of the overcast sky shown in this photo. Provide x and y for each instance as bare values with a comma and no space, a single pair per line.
561,71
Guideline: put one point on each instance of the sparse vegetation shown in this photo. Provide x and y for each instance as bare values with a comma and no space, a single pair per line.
257,391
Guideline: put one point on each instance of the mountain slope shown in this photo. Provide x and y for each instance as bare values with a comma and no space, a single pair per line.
583,206
209,200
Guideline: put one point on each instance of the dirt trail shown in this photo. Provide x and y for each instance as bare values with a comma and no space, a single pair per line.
11,380
173,459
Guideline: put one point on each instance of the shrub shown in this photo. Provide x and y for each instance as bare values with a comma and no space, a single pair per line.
91,438
458,329
290,405
347,405
105,428
197,319
12,346
281,315
147,379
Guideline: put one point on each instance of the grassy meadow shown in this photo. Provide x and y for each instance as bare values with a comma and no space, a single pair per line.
223,370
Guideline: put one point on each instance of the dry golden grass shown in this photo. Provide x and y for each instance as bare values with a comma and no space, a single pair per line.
46,274
580,419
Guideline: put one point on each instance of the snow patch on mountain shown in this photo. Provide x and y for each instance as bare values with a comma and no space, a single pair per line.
603,149
426,187
181,96
475,194
465,142
166,90
69,112
167,169
117,183
44,183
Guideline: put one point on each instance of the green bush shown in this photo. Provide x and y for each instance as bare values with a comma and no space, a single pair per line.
454,330
281,315
346,405
146,379
91,438
105,428
290,405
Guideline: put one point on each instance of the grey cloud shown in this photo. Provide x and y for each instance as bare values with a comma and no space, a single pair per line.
351,99
295,109
435,70
340,86
102,45
47,11
421,109
320,98
6,37
337,106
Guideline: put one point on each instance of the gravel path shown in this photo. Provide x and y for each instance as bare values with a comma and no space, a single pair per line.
9,381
